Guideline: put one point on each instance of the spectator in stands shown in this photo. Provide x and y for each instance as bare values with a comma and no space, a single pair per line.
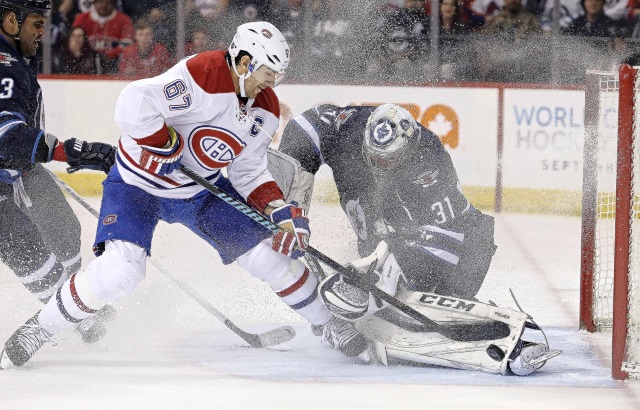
594,23
405,42
512,21
137,9
77,57
569,11
110,31
252,10
452,47
510,52
162,18
332,40
289,18
480,10
451,22
215,16
201,41
144,58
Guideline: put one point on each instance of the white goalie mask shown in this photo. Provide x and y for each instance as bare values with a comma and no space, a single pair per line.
266,45
390,132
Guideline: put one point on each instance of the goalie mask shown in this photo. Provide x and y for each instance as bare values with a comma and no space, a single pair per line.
390,132
267,47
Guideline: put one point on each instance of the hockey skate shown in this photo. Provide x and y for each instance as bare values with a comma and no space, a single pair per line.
24,343
529,357
342,335
93,328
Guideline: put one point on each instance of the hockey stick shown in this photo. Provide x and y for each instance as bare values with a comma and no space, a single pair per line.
488,330
266,339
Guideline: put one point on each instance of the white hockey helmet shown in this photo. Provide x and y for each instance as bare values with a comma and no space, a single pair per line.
390,133
266,45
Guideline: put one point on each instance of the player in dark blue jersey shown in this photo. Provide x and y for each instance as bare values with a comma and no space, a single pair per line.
397,184
39,233
400,190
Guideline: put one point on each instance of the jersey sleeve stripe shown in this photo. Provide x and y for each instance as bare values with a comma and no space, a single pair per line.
123,153
8,125
312,134
35,148
13,114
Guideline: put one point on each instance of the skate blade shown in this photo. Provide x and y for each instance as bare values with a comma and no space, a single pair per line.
5,362
543,357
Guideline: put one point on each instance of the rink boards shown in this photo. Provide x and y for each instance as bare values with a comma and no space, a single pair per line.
517,149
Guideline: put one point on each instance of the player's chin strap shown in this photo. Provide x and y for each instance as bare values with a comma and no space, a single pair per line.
241,78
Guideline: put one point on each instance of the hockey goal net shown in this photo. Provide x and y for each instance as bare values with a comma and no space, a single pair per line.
610,260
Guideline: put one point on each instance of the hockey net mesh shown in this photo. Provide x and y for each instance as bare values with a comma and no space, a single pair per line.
606,201
604,251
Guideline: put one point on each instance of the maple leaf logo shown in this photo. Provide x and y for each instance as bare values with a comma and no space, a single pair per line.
443,121
440,125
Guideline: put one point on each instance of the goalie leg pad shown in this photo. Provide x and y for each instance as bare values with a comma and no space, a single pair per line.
405,339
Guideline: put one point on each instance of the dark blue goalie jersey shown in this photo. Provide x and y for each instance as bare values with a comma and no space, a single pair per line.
424,192
22,139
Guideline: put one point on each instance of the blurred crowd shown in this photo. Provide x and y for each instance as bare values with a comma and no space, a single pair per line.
358,40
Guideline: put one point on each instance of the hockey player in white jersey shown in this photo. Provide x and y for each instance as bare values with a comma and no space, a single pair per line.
213,110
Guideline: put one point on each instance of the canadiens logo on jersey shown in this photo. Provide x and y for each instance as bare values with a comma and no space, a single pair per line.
214,147
426,179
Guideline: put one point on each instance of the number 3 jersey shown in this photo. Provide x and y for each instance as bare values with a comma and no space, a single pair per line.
423,193
22,139
197,98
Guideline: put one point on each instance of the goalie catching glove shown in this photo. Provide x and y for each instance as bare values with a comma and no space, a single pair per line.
164,160
80,154
293,239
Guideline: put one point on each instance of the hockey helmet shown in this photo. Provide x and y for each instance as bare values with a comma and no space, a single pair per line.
388,136
266,45
24,7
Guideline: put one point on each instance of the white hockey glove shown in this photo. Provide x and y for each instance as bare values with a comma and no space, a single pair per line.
165,160
293,239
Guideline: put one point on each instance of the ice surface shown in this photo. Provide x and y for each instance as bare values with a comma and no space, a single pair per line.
165,352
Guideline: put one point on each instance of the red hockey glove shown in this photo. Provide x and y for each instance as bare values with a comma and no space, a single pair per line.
165,160
293,240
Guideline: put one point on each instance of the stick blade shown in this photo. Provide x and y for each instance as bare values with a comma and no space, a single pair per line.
276,336
269,338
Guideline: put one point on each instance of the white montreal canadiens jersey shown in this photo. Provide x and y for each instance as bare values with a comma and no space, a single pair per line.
197,98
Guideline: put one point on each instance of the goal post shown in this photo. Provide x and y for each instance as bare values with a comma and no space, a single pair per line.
610,258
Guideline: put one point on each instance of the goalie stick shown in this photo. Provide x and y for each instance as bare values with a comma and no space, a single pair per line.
266,339
487,330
